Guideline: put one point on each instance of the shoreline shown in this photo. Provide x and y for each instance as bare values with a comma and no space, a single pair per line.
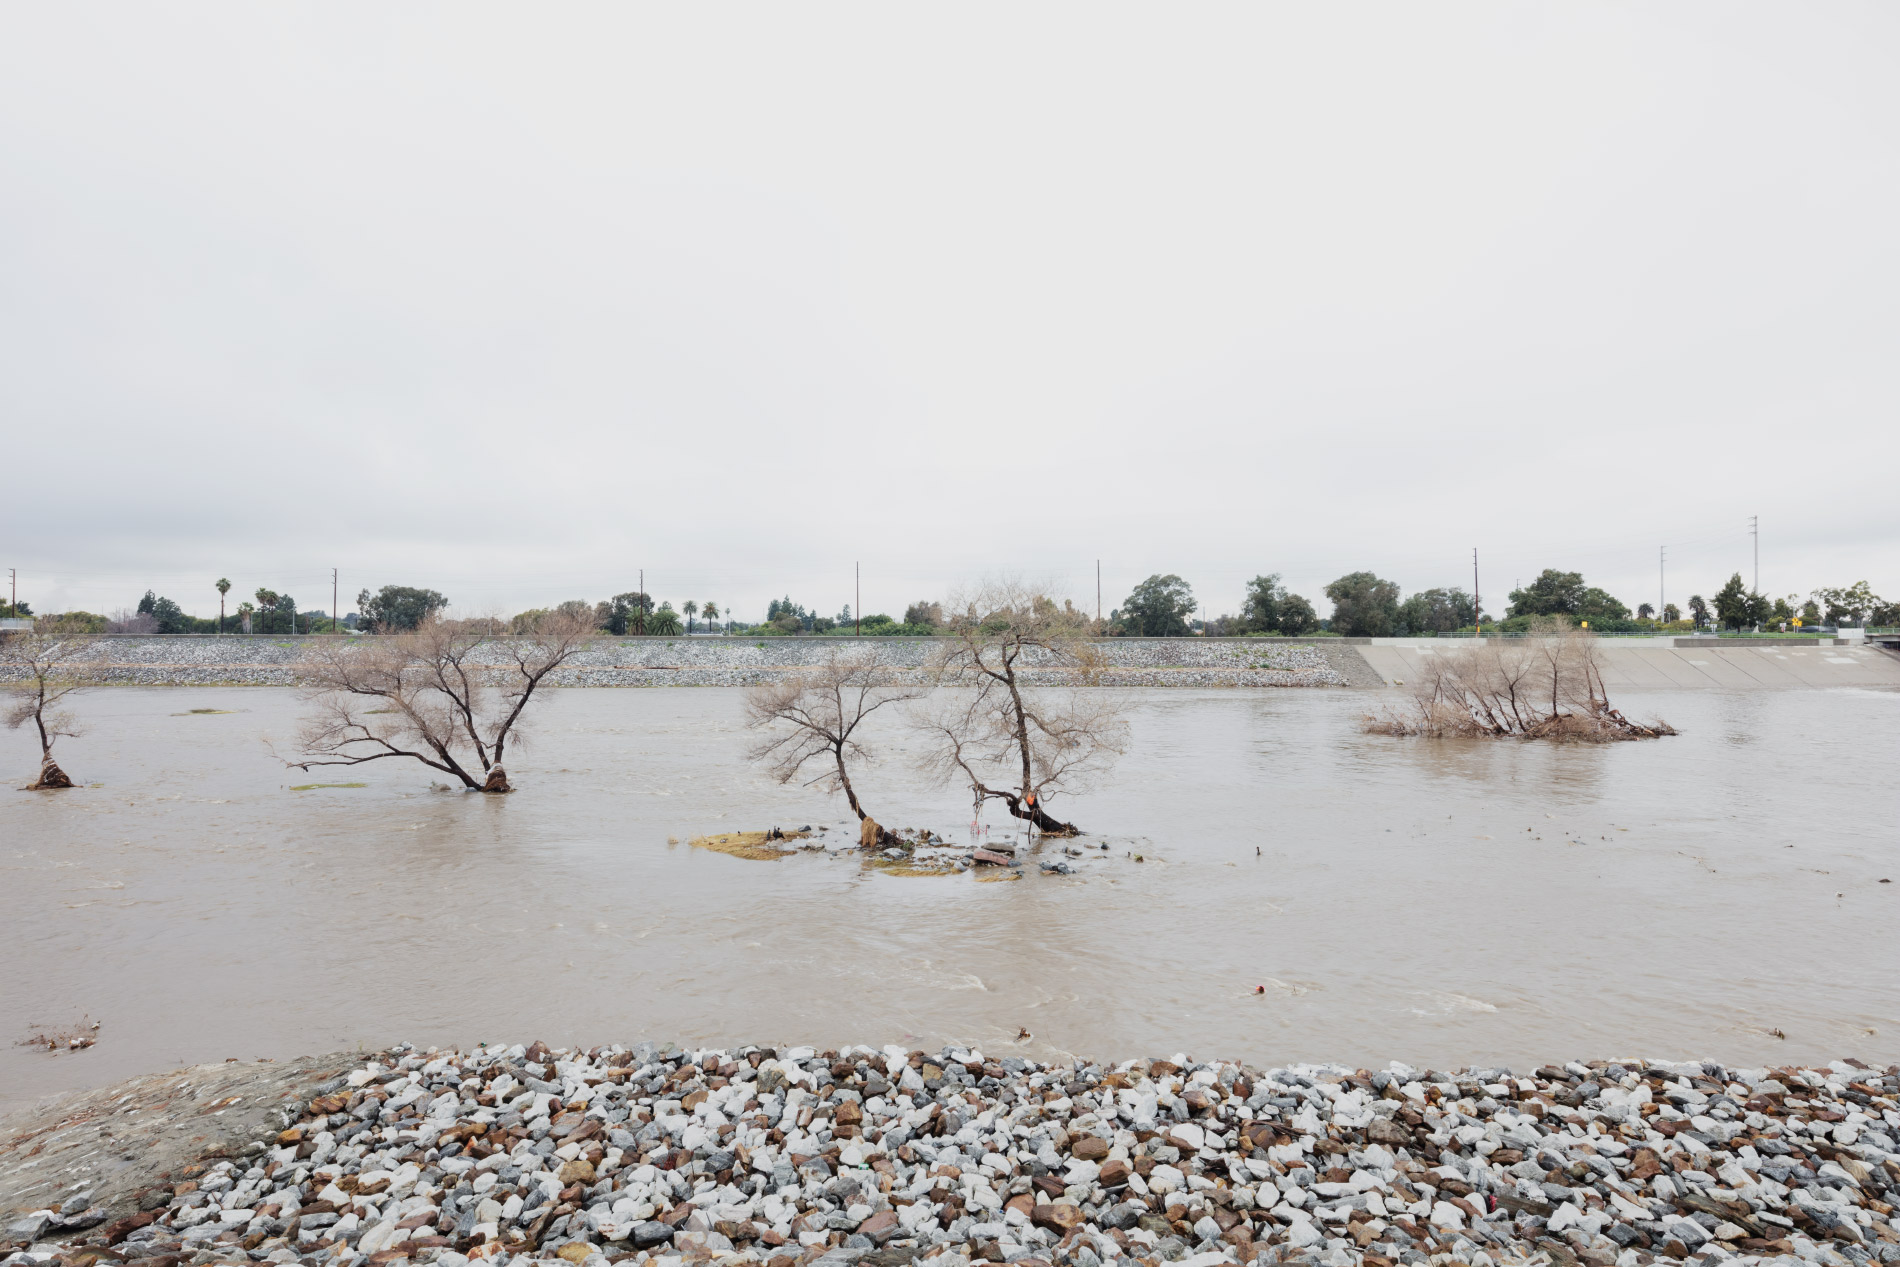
788,1156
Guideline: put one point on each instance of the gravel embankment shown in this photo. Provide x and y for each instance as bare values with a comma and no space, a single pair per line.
1192,662
790,1157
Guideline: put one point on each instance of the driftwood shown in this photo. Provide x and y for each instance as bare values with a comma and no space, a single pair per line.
1533,688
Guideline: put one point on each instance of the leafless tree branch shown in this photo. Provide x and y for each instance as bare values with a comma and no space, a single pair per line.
450,694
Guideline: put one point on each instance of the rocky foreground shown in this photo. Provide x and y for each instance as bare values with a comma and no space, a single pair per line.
881,1157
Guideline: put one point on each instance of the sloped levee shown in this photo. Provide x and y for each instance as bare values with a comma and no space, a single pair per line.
738,661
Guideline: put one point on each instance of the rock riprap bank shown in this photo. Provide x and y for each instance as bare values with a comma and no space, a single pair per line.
886,1156
1198,662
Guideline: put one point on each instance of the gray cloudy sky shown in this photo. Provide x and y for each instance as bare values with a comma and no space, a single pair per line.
512,300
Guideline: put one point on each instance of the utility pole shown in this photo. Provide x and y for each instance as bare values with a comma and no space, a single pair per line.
1098,591
1754,530
857,591
1662,580
13,588
641,604
336,625
1477,608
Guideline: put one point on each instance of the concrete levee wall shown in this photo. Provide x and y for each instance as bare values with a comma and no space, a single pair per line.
1661,664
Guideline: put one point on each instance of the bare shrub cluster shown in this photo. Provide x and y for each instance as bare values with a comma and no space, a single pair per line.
1548,687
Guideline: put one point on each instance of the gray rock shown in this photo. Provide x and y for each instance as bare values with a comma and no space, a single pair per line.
647,1235
31,1227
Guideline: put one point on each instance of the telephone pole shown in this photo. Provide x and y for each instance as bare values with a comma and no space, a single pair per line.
336,626
857,593
641,606
1754,530
1662,581
1477,608
1098,591
13,588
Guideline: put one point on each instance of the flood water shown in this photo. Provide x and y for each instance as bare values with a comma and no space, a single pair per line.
1437,902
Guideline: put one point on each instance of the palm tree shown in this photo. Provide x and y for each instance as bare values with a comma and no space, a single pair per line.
711,611
1699,608
691,609
224,587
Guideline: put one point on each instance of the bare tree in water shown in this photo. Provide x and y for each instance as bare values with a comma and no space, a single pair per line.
1012,742
1545,687
449,694
811,717
45,666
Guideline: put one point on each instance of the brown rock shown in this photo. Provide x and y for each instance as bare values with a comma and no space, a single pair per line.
1089,1147
1113,1173
881,1227
678,1214
1388,1133
573,1251
116,1232
1057,1216
1024,1202
1645,1164
989,858
580,1170
849,1113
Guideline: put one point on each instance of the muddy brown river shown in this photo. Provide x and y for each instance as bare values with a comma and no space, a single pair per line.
1306,892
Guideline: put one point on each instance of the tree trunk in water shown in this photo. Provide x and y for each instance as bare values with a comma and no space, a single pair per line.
51,776
1036,814
497,780
844,781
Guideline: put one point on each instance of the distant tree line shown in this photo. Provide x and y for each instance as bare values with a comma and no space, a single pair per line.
1363,604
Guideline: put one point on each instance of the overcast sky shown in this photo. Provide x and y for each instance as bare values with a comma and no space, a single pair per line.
510,301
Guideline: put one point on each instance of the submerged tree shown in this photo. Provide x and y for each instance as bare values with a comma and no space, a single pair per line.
1546,687
45,666
1014,742
812,717
449,694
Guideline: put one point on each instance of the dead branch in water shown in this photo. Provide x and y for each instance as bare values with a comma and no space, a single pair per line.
1536,688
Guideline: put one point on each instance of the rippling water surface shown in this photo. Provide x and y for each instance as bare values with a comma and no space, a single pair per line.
1437,902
